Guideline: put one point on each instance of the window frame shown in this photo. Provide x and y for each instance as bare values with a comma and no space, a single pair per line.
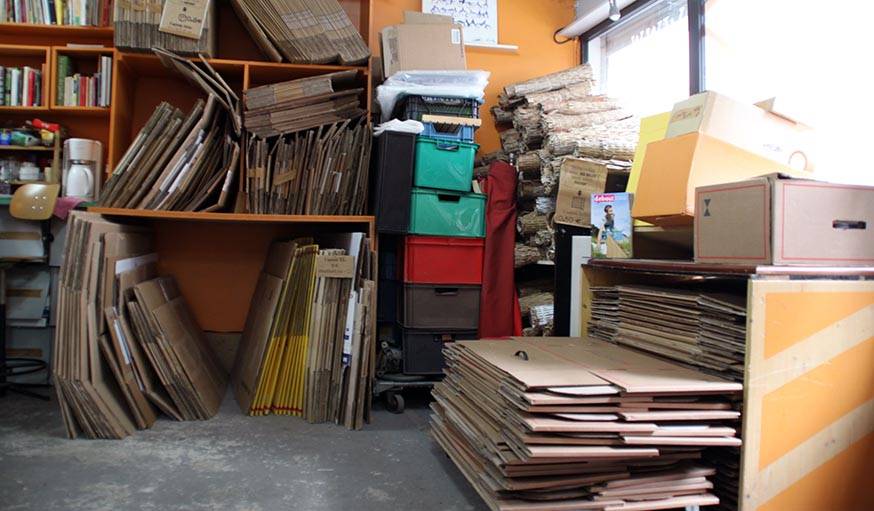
695,9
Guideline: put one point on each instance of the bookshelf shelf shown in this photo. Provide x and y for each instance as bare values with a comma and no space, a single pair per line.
23,109
25,148
81,110
55,31
360,220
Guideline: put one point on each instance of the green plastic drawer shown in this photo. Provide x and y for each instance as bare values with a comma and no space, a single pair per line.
440,213
444,164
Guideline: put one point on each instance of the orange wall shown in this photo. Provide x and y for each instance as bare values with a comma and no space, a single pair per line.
528,24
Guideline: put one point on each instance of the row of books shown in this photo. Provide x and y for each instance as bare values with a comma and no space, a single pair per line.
21,86
75,89
57,12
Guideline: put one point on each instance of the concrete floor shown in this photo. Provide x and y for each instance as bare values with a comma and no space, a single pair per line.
231,462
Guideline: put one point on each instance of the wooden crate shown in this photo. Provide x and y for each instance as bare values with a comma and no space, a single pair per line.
808,411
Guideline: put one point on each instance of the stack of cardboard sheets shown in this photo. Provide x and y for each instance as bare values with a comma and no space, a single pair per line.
300,104
126,347
303,31
308,346
580,424
321,171
178,162
703,329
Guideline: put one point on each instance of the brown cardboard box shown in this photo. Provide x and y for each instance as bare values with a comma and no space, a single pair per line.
783,221
422,46
675,167
746,126
578,181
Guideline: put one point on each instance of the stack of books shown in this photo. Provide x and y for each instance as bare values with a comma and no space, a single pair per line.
96,13
314,31
21,86
75,89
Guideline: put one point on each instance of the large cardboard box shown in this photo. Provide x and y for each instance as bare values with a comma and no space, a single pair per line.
778,220
675,167
746,126
422,46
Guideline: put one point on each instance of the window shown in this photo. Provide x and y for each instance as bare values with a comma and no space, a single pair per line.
813,56
644,61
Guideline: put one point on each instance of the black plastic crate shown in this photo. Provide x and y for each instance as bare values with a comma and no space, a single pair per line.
414,107
394,159
423,349
441,306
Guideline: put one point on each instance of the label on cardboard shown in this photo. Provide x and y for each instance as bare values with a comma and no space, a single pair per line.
579,180
455,34
335,266
185,18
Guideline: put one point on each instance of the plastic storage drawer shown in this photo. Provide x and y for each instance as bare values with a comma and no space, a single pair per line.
394,160
442,306
438,260
443,164
445,213
445,131
423,349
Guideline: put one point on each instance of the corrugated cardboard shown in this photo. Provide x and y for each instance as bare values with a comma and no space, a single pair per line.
746,126
652,129
778,220
422,46
675,167
422,18
27,296
578,181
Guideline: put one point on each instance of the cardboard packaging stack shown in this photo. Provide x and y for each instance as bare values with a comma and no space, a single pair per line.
560,423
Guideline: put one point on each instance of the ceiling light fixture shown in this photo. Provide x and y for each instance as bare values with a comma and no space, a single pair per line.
614,11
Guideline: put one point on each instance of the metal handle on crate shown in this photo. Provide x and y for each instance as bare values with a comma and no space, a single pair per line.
448,147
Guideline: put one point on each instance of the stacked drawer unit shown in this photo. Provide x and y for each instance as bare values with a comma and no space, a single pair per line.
442,254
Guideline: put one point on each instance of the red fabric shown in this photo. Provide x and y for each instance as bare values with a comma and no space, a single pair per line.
499,305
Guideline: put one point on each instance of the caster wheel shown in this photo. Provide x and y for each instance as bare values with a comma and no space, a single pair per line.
394,402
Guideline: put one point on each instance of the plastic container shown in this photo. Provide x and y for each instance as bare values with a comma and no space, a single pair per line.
441,306
446,131
414,107
423,349
438,260
443,164
445,213
394,159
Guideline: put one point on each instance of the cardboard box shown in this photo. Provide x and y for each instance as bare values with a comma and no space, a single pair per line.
27,296
675,167
579,179
746,126
783,221
612,225
652,129
422,46
20,239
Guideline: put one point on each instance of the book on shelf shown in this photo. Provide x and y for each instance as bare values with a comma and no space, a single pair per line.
82,13
76,89
22,86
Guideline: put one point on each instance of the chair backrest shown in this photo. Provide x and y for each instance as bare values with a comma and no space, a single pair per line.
34,201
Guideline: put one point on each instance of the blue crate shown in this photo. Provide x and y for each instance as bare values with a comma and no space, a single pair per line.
453,132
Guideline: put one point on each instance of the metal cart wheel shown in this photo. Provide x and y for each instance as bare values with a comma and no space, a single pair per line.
394,402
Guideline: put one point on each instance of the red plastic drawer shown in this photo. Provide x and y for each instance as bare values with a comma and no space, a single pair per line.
440,260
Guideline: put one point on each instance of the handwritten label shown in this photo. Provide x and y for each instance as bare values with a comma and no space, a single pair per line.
185,18
335,266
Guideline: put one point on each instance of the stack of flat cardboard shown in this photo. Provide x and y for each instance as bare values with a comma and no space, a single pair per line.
303,31
580,424
321,171
182,163
705,330
125,347
297,105
307,348
138,27
604,323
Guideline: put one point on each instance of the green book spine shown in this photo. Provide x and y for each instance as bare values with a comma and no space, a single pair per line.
63,72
